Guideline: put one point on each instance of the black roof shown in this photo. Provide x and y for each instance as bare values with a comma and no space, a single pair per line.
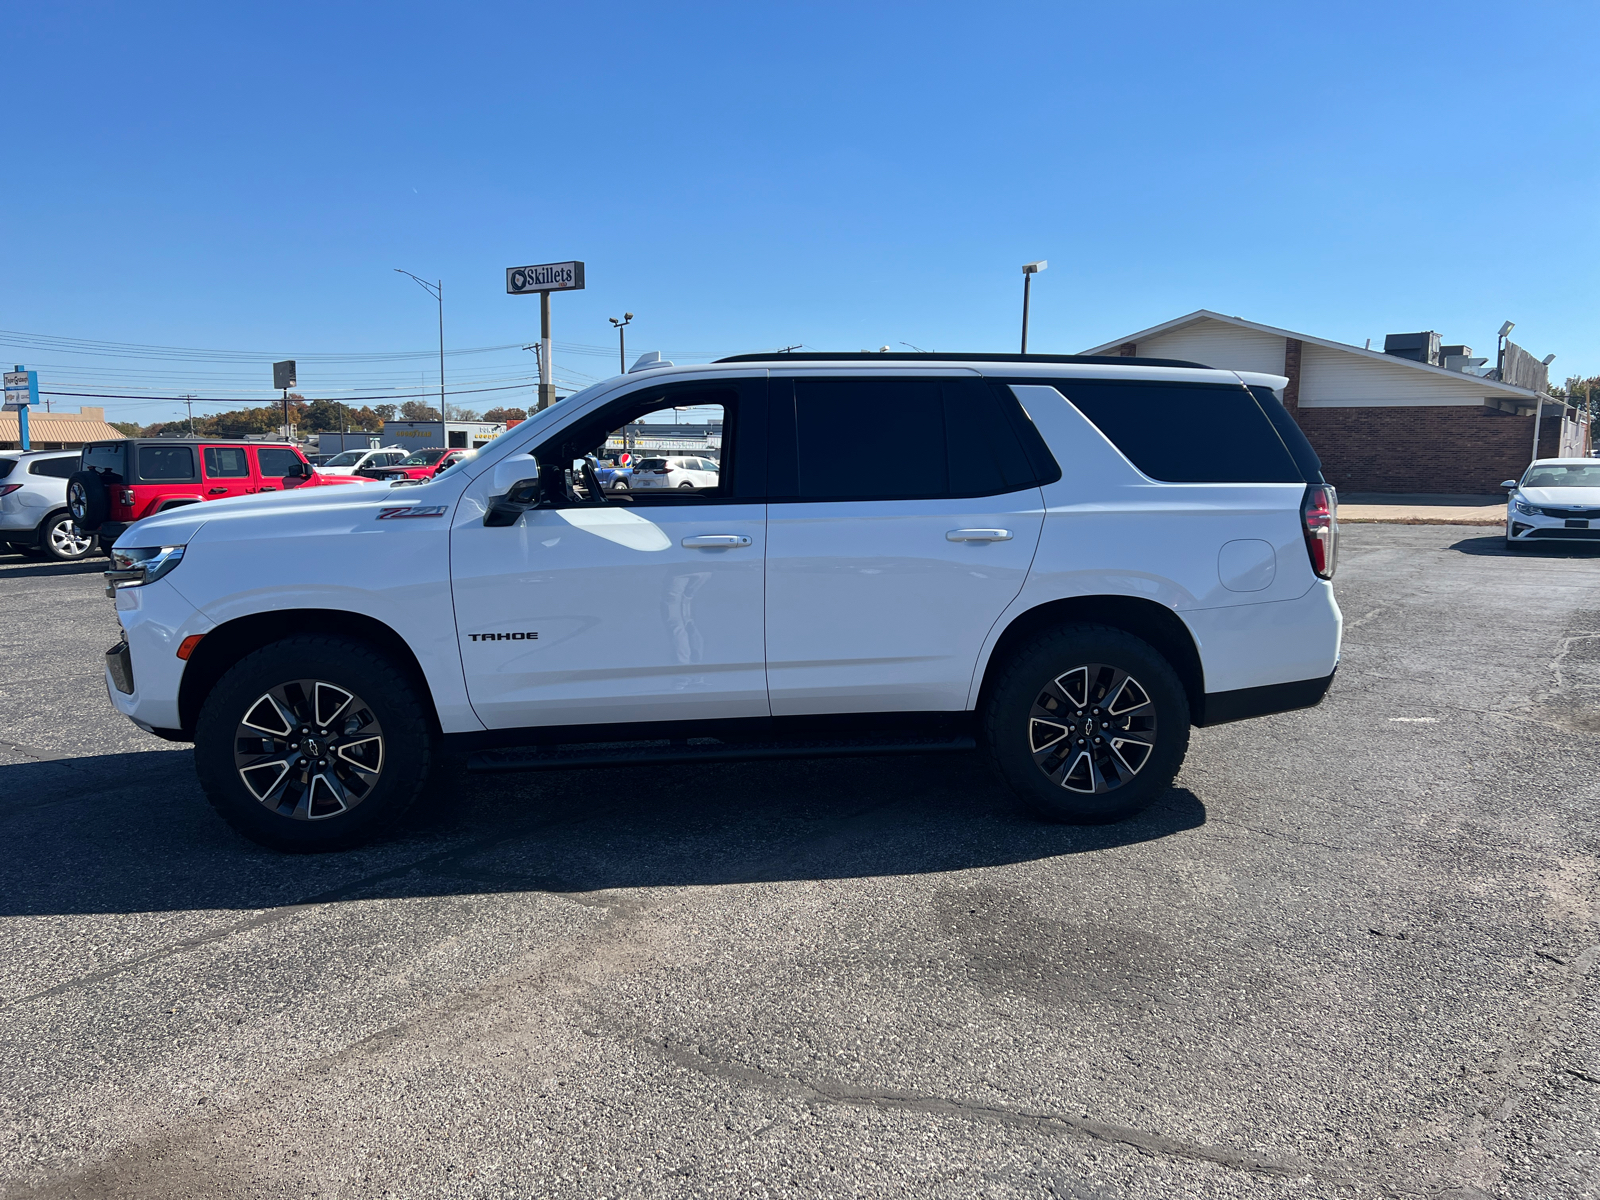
1102,360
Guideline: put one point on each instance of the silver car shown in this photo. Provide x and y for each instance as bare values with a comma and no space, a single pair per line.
33,505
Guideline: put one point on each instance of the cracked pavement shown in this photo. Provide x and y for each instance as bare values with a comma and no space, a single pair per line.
1351,954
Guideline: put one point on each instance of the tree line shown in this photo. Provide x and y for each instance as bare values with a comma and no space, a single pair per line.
308,416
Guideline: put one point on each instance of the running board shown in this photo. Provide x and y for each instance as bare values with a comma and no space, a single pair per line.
627,754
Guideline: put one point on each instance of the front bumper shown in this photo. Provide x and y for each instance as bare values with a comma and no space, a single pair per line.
1533,527
144,680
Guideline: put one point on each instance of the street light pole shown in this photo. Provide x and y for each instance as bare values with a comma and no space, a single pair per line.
1029,270
436,290
622,351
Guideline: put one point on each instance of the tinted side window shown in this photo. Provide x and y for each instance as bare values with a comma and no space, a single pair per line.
225,462
870,439
1294,439
56,468
1186,432
166,464
276,461
881,439
7,465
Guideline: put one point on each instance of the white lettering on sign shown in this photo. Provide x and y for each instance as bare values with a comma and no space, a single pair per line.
544,277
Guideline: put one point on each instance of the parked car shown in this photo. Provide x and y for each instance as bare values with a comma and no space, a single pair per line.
420,464
352,462
125,481
676,472
34,519
969,593
612,476
1557,499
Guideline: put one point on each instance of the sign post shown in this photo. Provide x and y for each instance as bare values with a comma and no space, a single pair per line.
22,390
283,377
544,278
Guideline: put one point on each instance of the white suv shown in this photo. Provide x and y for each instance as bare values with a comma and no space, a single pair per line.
1066,562
33,505
674,473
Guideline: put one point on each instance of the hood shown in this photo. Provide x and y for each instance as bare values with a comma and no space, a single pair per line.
1563,497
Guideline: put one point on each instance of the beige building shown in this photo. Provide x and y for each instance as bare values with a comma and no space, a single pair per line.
57,430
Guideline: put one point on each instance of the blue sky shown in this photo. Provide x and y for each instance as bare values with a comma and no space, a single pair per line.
742,177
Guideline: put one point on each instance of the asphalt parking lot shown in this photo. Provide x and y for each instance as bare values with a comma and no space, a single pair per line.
1352,953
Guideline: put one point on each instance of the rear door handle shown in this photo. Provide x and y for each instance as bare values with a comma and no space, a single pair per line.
713,541
978,535
217,491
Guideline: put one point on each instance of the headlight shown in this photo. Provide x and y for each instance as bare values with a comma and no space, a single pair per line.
141,565
1526,509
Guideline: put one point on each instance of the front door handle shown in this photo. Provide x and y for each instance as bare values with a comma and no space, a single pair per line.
714,541
978,535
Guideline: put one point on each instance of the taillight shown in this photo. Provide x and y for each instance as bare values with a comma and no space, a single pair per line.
7,488
1319,517
127,497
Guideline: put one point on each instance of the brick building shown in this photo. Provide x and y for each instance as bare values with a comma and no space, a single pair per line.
1381,422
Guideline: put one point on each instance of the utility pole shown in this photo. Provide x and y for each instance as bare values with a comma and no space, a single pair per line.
622,349
436,290
1029,270
188,401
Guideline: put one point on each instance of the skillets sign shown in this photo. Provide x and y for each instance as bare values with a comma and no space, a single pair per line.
545,277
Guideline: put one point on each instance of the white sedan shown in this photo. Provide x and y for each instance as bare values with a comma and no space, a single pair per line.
1556,499
687,473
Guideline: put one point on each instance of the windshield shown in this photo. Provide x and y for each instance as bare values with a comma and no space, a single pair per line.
460,458
1552,476
423,458
348,459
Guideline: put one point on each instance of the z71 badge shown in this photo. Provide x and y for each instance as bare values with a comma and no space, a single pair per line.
414,510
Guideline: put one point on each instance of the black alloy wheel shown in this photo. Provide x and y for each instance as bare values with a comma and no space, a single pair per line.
87,500
1092,729
314,743
1087,724
309,750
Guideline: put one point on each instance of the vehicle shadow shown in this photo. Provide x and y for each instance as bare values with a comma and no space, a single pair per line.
132,833
1495,547
21,567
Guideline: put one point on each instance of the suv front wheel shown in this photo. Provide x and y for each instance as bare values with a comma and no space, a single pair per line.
1087,724
313,743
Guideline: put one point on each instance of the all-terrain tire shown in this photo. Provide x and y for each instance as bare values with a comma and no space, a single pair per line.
1063,726
239,726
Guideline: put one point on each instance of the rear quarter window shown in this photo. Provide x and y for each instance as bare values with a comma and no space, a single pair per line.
55,468
6,466
1186,432
166,464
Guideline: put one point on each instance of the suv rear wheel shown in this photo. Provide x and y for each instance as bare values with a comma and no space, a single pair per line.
313,743
61,539
1087,724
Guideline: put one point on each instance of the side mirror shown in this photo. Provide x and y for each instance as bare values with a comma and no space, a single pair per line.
1508,483
514,488
302,470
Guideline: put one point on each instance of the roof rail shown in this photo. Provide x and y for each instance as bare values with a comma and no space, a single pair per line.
895,356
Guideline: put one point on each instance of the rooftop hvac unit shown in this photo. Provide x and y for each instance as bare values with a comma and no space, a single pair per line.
1418,347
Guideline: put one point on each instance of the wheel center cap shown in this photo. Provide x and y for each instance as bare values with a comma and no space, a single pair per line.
313,748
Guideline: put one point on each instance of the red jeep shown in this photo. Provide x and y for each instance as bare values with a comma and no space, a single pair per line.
120,482
420,464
